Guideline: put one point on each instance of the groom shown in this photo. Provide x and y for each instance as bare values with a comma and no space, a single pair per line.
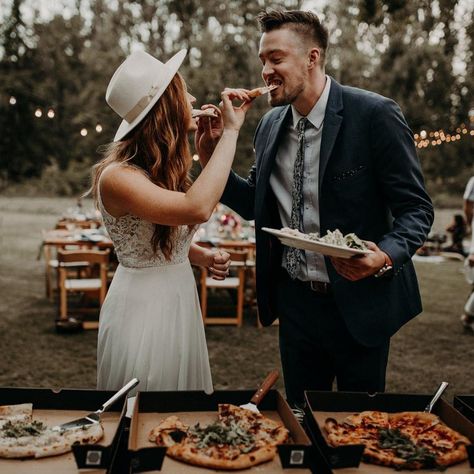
330,157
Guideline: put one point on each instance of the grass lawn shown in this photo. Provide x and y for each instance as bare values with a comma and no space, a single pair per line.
431,348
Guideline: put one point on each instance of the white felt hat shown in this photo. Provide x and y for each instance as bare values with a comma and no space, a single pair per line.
137,85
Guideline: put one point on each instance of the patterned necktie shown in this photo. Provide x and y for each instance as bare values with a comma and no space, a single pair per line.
295,256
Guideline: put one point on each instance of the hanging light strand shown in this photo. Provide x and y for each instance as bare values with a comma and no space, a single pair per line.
423,139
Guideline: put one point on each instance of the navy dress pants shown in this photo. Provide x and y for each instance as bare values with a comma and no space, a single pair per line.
317,349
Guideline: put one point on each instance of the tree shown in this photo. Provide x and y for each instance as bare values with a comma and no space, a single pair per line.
61,67
407,51
404,50
20,145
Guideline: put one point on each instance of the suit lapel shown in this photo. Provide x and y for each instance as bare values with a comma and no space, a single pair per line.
332,124
271,147
268,158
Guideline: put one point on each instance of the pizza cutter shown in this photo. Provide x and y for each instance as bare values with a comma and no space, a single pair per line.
94,417
267,384
439,392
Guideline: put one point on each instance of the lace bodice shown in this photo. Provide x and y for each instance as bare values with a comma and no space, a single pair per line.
131,237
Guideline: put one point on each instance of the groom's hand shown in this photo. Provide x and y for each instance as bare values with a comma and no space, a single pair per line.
208,134
357,267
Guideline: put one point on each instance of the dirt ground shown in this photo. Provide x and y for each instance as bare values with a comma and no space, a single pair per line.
431,348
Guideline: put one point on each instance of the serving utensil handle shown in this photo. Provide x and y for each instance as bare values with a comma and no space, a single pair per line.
267,384
439,392
125,389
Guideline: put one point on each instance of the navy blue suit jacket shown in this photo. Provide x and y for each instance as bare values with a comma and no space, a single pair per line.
370,183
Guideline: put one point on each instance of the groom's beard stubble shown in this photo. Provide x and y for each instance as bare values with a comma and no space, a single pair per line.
281,97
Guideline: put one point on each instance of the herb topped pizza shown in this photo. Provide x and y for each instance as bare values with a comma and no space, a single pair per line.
238,439
408,440
23,437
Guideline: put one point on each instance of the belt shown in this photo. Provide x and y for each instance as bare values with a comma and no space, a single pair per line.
320,287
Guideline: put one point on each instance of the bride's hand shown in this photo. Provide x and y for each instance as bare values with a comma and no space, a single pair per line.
232,116
219,267
208,133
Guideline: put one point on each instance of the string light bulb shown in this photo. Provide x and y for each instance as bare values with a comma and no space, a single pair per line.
84,132
12,100
50,113
98,128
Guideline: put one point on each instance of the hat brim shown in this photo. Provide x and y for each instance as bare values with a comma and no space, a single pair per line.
172,66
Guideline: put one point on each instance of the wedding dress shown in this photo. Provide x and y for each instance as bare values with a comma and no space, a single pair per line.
150,324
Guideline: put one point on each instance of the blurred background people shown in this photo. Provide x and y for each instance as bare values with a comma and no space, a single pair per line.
467,318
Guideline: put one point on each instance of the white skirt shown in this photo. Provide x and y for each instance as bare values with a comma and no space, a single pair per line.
151,328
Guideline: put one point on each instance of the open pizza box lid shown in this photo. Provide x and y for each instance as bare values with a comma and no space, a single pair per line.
56,407
196,406
338,405
465,404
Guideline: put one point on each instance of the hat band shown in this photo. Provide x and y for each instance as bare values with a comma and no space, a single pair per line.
141,105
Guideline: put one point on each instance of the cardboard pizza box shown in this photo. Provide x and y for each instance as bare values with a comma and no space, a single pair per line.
465,404
196,406
55,407
338,405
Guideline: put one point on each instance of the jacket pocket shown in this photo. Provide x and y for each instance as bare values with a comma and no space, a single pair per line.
348,175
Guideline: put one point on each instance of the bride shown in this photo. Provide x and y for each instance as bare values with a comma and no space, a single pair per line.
150,323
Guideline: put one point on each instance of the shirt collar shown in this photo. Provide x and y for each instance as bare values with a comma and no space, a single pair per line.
316,115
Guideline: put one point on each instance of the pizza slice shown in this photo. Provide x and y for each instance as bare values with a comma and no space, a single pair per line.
21,412
261,90
412,423
265,430
339,434
358,428
204,113
368,419
448,445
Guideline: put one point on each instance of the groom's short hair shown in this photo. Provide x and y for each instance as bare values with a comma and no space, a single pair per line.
306,23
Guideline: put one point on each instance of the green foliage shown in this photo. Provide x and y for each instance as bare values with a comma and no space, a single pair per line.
18,152
404,50
54,181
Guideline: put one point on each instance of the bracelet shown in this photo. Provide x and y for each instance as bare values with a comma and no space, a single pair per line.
386,269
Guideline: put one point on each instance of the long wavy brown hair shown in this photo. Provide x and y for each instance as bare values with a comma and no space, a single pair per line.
159,146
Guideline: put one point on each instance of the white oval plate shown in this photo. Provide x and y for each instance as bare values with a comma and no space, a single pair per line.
330,250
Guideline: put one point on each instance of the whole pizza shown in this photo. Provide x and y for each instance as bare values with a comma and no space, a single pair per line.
238,439
23,437
408,440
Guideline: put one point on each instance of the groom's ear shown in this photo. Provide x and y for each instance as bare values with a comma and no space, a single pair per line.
314,58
